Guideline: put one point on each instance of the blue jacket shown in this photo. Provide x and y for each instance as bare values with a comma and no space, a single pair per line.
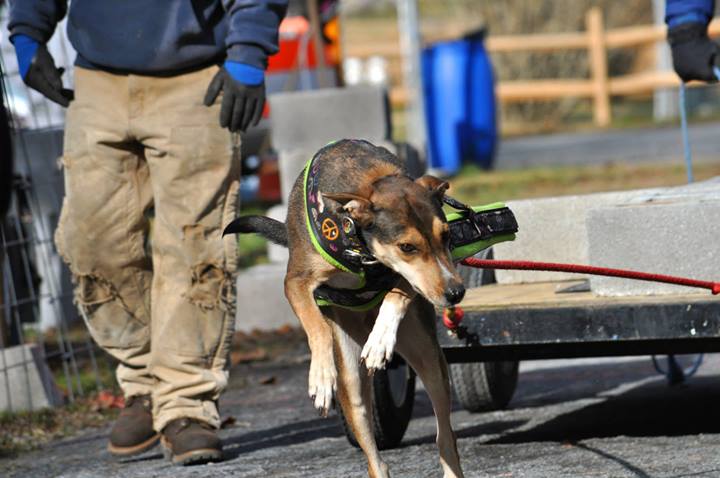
157,37
678,12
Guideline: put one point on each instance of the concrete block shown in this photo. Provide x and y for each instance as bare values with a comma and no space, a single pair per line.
553,230
668,234
708,190
277,254
261,302
305,121
25,380
308,120
292,162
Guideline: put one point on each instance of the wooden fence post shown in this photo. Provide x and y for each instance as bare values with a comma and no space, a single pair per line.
598,66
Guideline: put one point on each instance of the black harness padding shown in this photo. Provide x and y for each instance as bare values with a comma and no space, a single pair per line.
338,240
478,226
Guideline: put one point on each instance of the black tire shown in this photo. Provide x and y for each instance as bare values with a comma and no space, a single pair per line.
393,400
483,386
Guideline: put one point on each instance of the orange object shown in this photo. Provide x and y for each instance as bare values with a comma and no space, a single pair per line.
292,31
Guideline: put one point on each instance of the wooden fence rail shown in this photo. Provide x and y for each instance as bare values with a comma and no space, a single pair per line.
595,40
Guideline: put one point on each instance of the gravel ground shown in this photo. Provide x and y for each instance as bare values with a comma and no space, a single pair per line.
596,147
615,418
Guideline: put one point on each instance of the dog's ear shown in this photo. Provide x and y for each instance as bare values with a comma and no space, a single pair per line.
360,208
435,185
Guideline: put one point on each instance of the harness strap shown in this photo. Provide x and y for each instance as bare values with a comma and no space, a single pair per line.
336,238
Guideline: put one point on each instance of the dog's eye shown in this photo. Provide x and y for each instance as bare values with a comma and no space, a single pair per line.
407,248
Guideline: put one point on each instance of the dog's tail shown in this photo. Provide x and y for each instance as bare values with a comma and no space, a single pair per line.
270,229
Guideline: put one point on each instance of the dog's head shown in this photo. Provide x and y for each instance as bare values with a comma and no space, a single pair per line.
404,226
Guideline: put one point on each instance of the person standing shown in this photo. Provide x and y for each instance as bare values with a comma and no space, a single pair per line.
157,87
694,54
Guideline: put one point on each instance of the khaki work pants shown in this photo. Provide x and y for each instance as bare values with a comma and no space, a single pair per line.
132,144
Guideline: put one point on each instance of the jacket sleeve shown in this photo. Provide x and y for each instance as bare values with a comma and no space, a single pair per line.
678,12
253,30
36,18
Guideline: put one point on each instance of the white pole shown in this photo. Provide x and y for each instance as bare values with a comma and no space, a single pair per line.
665,104
410,42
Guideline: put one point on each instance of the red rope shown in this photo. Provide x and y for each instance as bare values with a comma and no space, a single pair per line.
580,269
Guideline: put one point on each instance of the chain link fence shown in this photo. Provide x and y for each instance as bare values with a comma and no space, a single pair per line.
46,354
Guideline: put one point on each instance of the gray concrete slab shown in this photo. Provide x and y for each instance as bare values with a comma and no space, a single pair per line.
305,121
553,230
308,120
663,230
261,302
666,235
25,380
277,254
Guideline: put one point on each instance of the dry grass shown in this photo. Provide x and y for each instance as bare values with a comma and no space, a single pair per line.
25,431
518,17
475,186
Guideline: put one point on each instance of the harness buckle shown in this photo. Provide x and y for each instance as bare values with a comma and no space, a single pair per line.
359,258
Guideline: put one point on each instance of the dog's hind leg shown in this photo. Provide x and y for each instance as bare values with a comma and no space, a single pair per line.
418,344
355,395
322,378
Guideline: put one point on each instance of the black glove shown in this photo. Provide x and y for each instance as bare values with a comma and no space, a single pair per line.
242,105
693,53
44,77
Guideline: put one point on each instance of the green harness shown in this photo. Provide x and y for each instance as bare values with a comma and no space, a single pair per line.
337,239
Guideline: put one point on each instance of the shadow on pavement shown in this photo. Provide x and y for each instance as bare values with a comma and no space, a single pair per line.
654,409
538,388
490,428
640,473
284,435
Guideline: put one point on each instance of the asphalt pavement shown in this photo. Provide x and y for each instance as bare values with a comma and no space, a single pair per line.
568,419
613,145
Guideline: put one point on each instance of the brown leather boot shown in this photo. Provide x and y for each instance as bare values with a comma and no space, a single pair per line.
133,431
187,441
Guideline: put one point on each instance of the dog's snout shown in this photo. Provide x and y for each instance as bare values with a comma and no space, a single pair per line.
454,293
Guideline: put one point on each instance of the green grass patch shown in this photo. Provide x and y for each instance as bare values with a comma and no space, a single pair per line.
252,248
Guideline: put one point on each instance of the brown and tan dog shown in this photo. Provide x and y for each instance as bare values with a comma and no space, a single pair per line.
401,228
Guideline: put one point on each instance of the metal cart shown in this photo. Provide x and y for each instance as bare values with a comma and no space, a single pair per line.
504,324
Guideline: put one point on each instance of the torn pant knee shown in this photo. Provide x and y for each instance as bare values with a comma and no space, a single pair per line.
211,274
208,286
111,322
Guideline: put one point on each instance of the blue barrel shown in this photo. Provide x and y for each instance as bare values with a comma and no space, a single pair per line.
459,96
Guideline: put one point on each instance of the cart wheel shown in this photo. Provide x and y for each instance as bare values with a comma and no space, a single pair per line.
393,399
483,386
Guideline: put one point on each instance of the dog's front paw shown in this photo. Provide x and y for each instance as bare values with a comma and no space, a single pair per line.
322,385
378,349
